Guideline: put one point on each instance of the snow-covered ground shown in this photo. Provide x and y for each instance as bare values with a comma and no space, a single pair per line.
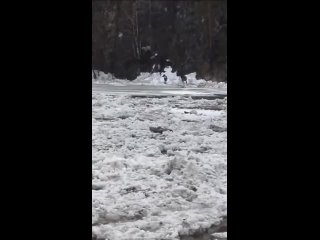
148,185
158,80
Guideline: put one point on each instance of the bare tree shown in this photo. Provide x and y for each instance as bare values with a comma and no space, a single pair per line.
209,24
133,18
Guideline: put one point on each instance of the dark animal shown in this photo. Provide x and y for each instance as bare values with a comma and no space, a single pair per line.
184,79
165,79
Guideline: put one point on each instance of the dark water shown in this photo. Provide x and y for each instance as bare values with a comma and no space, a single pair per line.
159,91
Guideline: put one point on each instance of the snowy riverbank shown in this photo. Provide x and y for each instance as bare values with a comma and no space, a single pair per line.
156,79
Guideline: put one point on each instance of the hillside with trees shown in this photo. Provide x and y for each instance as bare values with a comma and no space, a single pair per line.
133,36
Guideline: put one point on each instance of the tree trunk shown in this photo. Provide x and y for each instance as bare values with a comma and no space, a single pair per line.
209,24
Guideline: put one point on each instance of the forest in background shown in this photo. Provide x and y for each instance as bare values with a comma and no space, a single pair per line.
133,36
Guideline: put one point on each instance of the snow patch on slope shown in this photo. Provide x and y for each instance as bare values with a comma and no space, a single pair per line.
156,79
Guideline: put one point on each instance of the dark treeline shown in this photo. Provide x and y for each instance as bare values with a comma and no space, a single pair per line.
132,36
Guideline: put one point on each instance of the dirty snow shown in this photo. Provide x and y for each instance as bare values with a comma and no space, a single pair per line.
149,185
157,79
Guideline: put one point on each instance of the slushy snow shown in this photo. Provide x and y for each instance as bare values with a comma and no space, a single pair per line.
148,185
